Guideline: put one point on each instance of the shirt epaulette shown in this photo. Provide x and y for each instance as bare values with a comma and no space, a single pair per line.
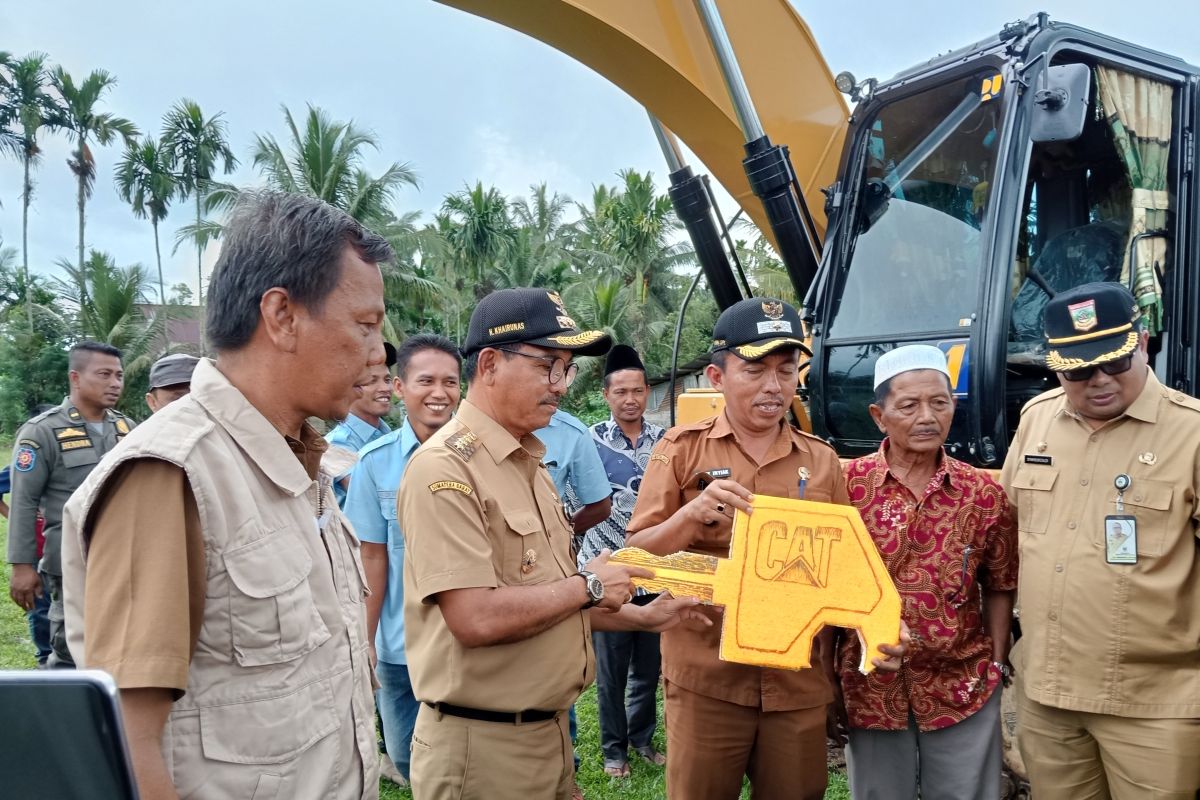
1182,399
812,436
674,434
382,441
563,418
1052,394
463,442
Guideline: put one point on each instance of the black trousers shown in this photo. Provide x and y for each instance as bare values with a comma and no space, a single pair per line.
626,660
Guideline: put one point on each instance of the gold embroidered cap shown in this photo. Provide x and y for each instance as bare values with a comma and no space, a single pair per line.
1091,324
753,328
532,316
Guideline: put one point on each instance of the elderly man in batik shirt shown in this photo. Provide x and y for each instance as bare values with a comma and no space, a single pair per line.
947,535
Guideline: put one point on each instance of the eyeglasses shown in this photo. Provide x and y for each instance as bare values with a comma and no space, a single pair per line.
1108,368
559,370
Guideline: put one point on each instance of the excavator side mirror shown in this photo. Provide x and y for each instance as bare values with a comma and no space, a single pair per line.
1060,103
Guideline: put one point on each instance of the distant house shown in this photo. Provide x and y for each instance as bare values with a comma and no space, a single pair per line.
182,332
688,376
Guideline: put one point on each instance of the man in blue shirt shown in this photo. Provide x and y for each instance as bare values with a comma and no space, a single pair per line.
624,658
427,382
364,424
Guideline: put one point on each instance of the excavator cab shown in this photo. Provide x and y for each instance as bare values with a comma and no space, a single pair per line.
974,187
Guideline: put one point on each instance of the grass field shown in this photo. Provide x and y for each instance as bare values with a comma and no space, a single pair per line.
646,783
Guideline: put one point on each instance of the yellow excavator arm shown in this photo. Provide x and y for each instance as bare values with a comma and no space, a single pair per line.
657,51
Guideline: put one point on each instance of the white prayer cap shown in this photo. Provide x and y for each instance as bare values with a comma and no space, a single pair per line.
908,358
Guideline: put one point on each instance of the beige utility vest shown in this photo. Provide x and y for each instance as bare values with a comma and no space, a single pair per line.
278,701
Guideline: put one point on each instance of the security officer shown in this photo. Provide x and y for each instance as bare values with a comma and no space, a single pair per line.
1105,475
728,720
496,628
55,452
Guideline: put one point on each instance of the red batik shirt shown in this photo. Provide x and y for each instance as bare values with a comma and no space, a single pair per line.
947,675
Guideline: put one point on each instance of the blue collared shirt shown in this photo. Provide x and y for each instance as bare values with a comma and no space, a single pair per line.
573,462
352,433
371,509
624,464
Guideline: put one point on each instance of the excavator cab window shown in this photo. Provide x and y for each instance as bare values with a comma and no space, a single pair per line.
1079,220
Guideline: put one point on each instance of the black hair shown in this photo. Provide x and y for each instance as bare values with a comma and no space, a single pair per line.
607,380
281,240
471,363
424,341
80,354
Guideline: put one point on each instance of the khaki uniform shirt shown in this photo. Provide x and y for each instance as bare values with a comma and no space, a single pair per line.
1119,639
690,658
54,452
260,610
478,509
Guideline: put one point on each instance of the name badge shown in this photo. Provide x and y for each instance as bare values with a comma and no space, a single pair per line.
1120,539
1043,460
706,477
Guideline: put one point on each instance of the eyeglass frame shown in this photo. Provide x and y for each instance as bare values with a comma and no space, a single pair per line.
569,370
1118,366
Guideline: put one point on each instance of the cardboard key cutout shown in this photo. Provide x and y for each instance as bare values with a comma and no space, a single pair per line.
794,566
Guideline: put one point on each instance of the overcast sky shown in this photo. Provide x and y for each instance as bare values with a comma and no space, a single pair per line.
460,98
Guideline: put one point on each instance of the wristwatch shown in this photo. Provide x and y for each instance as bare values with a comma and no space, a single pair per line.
595,587
1004,669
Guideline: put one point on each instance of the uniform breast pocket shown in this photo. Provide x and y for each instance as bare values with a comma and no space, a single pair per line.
79,456
272,614
1150,503
1034,498
387,509
524,550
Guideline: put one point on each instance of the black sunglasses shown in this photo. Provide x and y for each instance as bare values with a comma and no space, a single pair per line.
1108,368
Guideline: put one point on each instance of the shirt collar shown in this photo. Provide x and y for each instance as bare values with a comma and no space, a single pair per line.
499,443
944,474
408,439
263,444
787,438
1145,407
363,429
617,434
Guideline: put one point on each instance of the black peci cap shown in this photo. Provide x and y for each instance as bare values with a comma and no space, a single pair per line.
622,356
390,358
1091,324
753,328
532,316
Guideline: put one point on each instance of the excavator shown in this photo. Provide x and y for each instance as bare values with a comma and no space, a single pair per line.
946,205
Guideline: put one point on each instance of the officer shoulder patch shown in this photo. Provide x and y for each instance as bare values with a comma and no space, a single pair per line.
26,458
122,426
463,443
30,443
665,459
456,486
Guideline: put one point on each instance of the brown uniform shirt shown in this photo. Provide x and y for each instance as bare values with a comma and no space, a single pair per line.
690,657
1119,639
478,509
149,642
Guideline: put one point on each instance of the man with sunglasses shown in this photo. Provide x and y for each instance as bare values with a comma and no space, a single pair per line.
497,619
1105,473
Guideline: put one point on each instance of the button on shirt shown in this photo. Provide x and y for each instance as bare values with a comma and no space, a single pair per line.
690,658
1121,639
624,464
574,464
371,509
353,433
940,548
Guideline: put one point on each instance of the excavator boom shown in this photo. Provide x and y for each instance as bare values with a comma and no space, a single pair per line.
657,51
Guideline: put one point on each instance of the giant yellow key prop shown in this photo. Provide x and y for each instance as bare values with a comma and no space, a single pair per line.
793,567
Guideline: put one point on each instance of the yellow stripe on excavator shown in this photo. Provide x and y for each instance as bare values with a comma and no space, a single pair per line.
657,52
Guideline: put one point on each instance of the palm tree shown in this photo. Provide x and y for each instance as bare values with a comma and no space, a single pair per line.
10,140
193,146
324,161
28,104
105,299
481,232
145,181
83,122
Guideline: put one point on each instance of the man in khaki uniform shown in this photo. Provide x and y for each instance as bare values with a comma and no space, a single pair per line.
1105,473
497,635
207,566
55,452
727,720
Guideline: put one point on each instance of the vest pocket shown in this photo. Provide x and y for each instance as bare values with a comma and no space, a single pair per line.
273,730
272,614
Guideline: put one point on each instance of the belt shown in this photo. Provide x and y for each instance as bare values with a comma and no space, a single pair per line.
484,715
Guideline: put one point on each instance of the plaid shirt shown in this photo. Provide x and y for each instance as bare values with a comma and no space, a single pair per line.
624,463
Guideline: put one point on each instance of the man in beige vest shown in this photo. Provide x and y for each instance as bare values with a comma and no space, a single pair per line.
207,566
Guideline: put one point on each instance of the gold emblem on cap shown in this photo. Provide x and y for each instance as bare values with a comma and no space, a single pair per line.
773,309
1147,458
566,322
555,298
528,561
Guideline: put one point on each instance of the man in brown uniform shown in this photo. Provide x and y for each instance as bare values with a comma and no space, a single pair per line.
726,720
1105,475
206,564
496,632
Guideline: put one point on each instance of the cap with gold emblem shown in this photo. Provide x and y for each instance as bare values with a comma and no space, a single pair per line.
1091,324
753,328
532,316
